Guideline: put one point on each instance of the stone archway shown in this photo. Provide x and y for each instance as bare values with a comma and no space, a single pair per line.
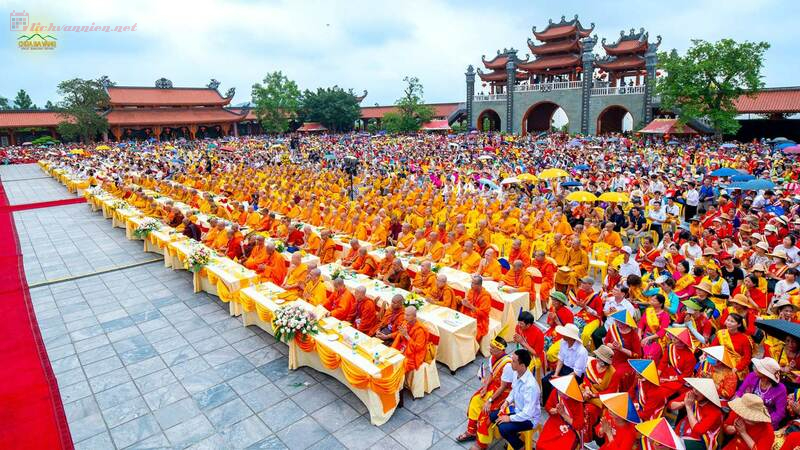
539,117
488,120
612,119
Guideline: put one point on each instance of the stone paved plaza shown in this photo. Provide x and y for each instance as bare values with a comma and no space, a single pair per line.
142,362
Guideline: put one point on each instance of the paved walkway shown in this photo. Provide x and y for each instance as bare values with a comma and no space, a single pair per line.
143,362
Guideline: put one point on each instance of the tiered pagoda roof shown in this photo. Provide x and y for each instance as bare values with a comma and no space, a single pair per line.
497,65
560,50
627,54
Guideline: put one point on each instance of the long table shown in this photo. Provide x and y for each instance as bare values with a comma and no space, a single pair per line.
457,344
338,350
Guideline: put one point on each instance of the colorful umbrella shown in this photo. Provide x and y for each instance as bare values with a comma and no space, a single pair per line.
647,369
659,430
582,167
623,316
621,404
725,172
102,147
490,183
510,180
793,150
615,197
553,173
779,328
743,177
728,145
581,196
568,386
571,183
529,177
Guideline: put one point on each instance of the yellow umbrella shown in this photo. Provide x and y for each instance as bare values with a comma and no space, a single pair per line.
581,196
616,197
553,173
528,177
76,152
102,147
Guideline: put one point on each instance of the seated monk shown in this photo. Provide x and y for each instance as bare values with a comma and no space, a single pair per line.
519,253
391,319
577,259
365,313
269,264
434,249
441,294
175,218
452,250
220,243
386,264
489,266
516,279
349,258
253,218
311,242
470,259
327,248
314,291
296,273
418,247
365,264
397,276
340,302
424,280
267,223
478,304
548,270
412,340
294,237
212,233
234,248
406,238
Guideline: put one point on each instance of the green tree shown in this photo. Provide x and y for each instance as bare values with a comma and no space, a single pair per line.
412,110
704,83
81,103
49,106
4,103
333,107
276,102
23,100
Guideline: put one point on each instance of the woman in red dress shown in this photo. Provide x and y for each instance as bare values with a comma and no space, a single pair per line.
564,429
734,339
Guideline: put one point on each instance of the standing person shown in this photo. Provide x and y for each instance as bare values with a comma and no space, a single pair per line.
522,409
691,202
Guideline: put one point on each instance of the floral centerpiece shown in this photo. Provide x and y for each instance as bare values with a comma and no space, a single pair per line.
280,246
292,320
96,190
415,300
198,258
147,226
436,268
120,204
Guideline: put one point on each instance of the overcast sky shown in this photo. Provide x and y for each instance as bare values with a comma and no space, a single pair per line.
355,44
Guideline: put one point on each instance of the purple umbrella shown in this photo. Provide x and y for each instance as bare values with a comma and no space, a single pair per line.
793,150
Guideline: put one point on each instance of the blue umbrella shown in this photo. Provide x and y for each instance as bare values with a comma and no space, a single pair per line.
743,177
570,184
785,144
728,145
541,142
582,167
777,210
490,183
756,185
329,156
725,172
779,328
673,143
613,139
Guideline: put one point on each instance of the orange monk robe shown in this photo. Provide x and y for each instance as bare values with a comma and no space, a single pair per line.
384,266
258,256
327,254
212,234
221,241
314,292
340,304
559,253
493,270
312,246
471,262
350,257
365,316
275,270
241,218
518,279
444,296
521,255
424,282
234,247
578,260
295,276
563,227
366,265
613,239
418,249
414,347
593,233
482,303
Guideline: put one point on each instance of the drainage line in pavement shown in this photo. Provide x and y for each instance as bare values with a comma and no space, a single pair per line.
23,179
91,274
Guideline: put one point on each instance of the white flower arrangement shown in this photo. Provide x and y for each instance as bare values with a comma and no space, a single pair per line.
291,320
198,258
414,300
120,204
96,191
147,226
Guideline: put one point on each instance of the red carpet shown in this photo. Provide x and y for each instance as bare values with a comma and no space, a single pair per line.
23,207
31,413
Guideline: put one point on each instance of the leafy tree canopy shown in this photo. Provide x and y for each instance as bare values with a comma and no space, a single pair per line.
23,100
334,107
413,112
81,103
277,100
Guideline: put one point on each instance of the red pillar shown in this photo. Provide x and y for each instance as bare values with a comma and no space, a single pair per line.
12,138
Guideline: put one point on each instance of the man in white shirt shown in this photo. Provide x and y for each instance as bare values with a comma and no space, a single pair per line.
657,215
629,265
691,203
523,402
572,357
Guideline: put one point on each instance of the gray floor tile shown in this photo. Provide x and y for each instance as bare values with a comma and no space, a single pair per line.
248,382
281,415
359,434
86,427
215,396
125,411
165,395
263,397
177,412
229,413
417,434
302,434
100,441
245,433
134,431
314,398
335,415
190,432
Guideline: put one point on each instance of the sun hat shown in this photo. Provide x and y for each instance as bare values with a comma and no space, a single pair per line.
604,353
767,367
559,296
647,369
621,404
750,407
780,304
763,246
706,387
588,280
626,249
660,262
623,317
692,305
704,286
568,386
569,330
743,300
721,354
660,431
682,334
779,254
711,265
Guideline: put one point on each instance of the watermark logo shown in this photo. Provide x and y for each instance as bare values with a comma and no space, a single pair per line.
19,20
37,42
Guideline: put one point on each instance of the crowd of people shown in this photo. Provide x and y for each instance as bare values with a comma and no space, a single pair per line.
652,331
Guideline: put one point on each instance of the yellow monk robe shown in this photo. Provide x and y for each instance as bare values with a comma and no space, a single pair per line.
312,246
362,231
613,239
221,241
211,236
253,220
471,262
418,249
559,253
315,293
295,276
379,235
405,241
578,260
563,227
493,270
424,282
436,252
328,252
452,253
